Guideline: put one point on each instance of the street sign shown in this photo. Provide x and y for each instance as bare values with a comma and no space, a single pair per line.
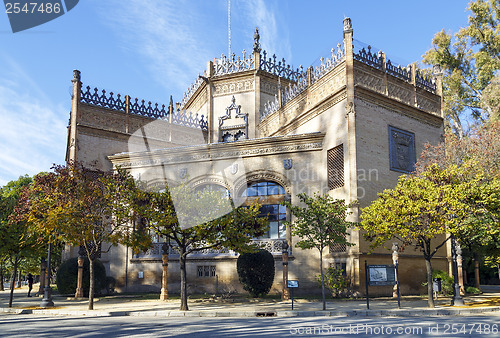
292,283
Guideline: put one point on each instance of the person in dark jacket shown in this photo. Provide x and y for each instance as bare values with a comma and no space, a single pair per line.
30,284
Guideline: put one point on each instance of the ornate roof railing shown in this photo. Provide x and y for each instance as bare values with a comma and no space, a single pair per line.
102,100
189,120
374,60
377,60
302,82
233,64
192,89
280,68
425,82
403,73
140,107
328,64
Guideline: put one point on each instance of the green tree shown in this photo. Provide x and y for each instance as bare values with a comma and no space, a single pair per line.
84,207
198,220
319,224
479,152
18,241
470,61
419,211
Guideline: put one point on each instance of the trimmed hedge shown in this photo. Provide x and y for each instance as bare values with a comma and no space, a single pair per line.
256,272
67,276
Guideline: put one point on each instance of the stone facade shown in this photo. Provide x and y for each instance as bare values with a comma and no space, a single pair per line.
246,121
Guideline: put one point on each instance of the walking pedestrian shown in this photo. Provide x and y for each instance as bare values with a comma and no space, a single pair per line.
30,284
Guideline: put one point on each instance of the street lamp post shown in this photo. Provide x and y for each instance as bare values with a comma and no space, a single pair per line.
457,300
47,295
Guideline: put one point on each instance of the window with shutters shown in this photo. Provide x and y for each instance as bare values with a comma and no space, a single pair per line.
335,157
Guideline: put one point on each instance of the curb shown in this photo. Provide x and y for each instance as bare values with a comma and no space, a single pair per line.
241,314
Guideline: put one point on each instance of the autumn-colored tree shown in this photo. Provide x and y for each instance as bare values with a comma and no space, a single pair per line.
18,241
320,224
84,207
194,220
471,64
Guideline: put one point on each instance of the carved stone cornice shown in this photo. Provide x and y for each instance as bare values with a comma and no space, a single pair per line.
231,87
383,101
219,151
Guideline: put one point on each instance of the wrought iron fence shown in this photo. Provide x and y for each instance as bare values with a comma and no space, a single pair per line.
233,64
280,68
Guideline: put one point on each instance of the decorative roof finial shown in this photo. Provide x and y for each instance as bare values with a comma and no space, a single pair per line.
256,43
76,75
347,24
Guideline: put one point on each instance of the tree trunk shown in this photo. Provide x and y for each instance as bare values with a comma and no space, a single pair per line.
476,271
322,279
92,284
498,267
19,279
1,276
430,296
182,263
12,283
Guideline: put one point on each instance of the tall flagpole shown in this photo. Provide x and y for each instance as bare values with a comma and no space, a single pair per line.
229,26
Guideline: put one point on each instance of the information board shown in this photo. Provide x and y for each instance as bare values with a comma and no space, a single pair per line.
381,274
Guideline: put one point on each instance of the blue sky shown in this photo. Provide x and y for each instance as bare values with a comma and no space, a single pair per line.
156,48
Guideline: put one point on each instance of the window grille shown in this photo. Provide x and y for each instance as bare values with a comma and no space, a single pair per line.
335,157
206,270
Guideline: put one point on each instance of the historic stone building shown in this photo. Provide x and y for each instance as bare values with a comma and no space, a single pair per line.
257,128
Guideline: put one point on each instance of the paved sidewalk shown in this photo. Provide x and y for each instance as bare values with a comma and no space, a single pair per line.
123,305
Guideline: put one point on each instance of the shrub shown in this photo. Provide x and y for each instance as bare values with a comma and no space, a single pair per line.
256,272
470,290
335,281
67,276
446,281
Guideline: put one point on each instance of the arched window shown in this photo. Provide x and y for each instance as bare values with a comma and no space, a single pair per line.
270,195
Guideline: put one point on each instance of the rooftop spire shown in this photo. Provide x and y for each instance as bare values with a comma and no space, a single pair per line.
256,43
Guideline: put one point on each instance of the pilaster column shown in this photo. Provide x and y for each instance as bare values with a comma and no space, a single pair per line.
71,152
79,280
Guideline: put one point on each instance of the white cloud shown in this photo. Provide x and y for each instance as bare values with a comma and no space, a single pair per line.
272,29
33,134
168,33
177,38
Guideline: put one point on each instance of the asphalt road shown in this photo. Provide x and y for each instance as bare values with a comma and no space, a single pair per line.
449,326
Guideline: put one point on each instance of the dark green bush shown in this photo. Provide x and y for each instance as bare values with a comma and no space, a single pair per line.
67,275
256,272
470,290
